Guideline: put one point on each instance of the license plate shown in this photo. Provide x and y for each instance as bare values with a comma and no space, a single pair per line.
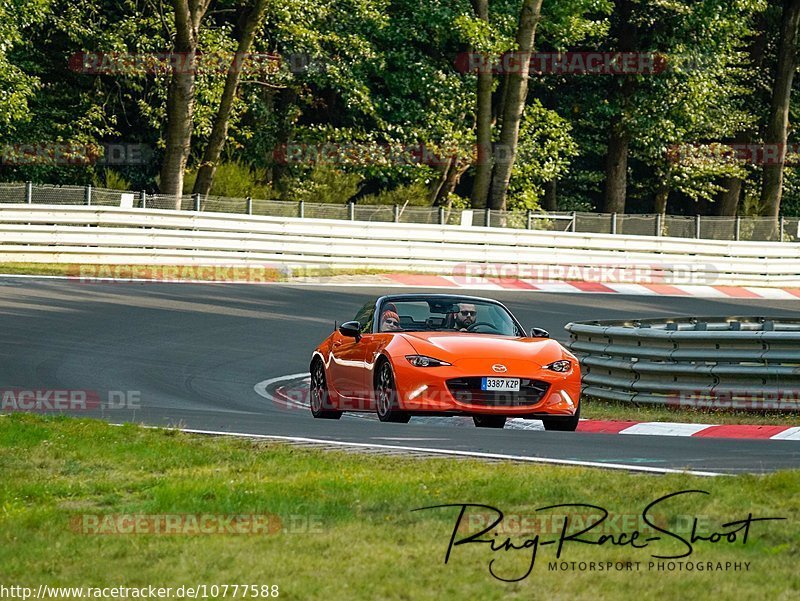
507,384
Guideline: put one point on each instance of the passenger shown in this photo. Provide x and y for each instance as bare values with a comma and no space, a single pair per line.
390,321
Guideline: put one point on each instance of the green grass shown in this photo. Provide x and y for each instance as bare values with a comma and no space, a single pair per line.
365,542
35,268
182,271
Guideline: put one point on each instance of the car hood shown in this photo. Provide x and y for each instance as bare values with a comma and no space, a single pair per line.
452,347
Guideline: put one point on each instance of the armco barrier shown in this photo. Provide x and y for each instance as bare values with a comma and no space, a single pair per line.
93,234
747,228
734,363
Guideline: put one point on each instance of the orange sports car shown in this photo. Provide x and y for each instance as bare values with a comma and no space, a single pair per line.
443,354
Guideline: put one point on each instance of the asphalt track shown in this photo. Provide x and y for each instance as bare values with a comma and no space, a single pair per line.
192,353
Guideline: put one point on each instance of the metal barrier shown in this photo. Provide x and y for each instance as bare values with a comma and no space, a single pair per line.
786,229
100,234
750,363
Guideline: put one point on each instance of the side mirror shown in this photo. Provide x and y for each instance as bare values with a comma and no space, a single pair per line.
351,329
539,333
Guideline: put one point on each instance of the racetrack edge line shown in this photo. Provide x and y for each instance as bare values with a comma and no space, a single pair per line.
476,454
261,390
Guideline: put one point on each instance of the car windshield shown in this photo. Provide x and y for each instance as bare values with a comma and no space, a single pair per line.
440,315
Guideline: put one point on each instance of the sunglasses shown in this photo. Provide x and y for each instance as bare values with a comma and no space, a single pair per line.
468,313
391,322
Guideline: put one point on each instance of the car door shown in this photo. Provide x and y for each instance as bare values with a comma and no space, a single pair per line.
348,359
346,367
373,344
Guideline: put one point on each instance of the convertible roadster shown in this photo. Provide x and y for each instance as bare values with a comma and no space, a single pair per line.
440,354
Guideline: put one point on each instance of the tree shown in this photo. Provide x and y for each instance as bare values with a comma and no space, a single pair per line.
777,126
181,96
730,196
515,94
483,119
619,134
692,96
16,86
249,25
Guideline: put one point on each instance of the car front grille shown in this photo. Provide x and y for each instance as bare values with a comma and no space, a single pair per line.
468,390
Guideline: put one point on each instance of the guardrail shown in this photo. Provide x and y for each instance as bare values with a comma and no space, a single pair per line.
678,226
87,234
735,363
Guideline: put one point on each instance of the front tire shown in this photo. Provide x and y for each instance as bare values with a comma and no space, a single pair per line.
319,397
489,421
386,397
563,424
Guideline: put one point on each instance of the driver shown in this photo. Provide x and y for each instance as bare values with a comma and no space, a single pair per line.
390,321
465,317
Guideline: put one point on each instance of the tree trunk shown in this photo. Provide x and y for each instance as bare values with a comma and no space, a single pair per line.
619,136
728,200
499,101
453,176
281,157
516,93
616,168
443,167
778,124
248,26
662,196
550,203
180,97
483,167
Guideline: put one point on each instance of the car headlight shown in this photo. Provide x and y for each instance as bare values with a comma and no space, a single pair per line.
423,361
561,367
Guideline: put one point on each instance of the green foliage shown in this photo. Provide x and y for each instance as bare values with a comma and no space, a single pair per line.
112,180
234,180
544,153
380,79
414,195
702,96
324,184
698,169
454,201
790,205
17,86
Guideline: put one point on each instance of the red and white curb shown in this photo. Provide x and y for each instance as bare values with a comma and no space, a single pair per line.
765,432
400,280
291,393
519,284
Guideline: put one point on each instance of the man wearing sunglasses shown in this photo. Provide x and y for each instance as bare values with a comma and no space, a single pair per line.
465,316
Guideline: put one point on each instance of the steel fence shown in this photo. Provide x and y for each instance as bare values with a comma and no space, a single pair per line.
470,255
750,363
786,229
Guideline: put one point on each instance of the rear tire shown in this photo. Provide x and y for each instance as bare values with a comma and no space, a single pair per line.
386,397
563,424
489,421
319,397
